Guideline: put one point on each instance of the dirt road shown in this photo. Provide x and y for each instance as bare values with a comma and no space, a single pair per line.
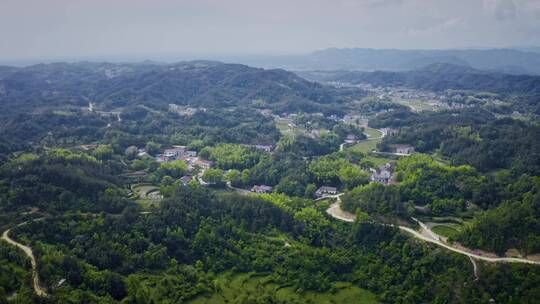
28,251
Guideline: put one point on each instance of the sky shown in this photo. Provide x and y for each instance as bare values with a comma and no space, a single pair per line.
54,29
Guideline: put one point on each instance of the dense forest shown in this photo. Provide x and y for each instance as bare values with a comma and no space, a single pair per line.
176,252
198,83
224,195
473,137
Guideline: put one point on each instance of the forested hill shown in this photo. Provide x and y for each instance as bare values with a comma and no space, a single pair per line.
197,83
439,77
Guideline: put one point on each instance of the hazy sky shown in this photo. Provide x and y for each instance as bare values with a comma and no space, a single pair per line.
42,29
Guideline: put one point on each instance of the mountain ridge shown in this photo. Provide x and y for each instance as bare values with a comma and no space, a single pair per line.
437,77
196,83
512,61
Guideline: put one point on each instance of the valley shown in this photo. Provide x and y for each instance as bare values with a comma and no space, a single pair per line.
262,186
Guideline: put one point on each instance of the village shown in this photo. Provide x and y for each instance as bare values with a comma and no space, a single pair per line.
383,173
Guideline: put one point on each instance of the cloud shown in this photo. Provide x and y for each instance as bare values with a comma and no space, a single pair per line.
444,26
370,3
501,9
87,28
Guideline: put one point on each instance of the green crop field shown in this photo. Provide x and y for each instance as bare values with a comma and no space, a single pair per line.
246,287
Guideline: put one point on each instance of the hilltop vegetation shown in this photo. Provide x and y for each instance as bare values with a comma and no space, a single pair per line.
474,137
197,84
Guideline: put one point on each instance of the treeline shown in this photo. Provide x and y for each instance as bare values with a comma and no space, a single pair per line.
472,137
515,223
198,83
138,126
60,180
505,209
423,182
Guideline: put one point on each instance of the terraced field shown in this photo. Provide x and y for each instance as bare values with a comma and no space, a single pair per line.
148,195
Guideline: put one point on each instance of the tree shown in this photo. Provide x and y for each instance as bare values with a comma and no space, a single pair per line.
315,223
374,198
310,191
213,176
131,152
352,176
291,186
232,156
167,180
174,169
152,148
103,152
233,176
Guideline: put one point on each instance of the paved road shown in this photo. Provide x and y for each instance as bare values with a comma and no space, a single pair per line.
239,190
429,236
383,134
28,251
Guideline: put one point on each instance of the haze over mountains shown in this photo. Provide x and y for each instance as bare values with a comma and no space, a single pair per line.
511,61
437,77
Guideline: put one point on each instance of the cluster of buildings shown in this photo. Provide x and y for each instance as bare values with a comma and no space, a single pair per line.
384,174
265,148
185,110
321,192
360,120
183,154
175,153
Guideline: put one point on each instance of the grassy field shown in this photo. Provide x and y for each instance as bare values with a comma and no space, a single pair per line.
372,132
241,288
416,105
445,230
366,146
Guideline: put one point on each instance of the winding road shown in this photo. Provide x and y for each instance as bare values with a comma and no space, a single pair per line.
383,134
40,291
428,235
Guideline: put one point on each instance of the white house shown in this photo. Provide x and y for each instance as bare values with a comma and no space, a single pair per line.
326,190
261,189
404,149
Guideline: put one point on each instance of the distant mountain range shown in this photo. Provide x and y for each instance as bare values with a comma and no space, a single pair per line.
196,83
437,77
525,61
